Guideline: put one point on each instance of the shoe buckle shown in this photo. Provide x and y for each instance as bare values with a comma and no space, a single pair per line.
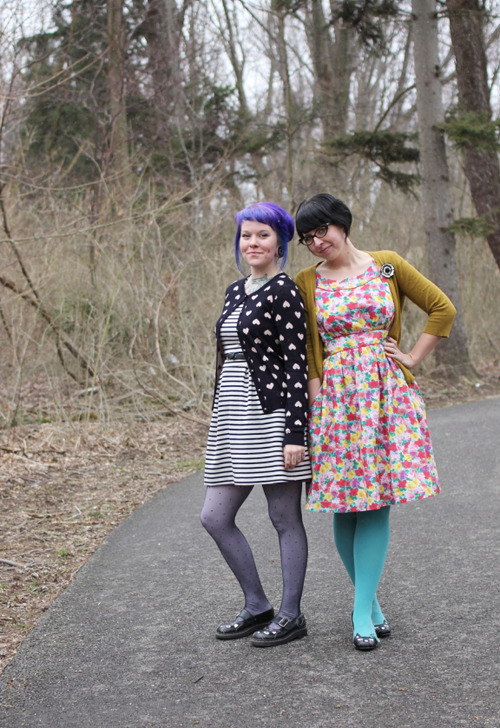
283,621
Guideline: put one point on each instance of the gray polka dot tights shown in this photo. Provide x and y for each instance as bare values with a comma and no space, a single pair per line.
221,506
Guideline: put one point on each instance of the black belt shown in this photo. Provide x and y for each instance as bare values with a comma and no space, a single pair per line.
239,355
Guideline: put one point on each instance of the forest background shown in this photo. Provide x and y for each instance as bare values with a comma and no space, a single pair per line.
131,131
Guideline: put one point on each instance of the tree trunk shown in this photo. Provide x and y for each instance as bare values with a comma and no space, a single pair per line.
162,30
236,64
332,70
481,166
287,93
342,71
436,204
118,145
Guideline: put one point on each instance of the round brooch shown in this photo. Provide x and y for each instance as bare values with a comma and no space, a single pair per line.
387,270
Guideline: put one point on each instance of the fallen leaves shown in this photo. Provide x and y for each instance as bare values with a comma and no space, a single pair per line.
63,488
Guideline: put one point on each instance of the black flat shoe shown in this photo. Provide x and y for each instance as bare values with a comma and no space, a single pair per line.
248,625
364,643
288,630
383,630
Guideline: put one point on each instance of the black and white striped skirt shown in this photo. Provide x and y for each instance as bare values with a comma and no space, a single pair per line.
245,445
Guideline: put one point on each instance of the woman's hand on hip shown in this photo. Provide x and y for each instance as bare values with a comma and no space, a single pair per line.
394,352
422,348
293,455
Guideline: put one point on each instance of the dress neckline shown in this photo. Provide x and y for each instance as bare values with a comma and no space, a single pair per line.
369,274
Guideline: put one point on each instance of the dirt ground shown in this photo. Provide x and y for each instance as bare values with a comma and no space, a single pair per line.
64,487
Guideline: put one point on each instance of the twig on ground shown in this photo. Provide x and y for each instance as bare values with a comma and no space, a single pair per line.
12,563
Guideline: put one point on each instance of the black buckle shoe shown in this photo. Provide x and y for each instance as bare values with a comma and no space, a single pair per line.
249,624
288,630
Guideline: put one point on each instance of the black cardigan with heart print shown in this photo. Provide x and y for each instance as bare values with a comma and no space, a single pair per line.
272,332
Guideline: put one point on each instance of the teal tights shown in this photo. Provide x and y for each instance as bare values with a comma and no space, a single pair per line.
362,540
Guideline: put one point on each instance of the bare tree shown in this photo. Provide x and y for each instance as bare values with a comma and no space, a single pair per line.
332,67
162,29
118,146
436,205
481,160
279,11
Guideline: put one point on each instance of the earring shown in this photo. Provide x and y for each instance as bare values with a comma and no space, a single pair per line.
280,252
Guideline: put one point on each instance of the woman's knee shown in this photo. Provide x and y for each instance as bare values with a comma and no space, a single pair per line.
207,520
380,515
285,513
277,519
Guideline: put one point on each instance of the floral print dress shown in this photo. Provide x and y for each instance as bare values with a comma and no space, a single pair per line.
369,440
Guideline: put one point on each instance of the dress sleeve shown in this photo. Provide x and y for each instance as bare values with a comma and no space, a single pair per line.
289,316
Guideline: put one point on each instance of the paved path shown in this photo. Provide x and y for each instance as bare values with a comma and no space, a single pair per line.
130,643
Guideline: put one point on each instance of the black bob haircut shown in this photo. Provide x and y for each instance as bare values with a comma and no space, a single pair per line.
322,209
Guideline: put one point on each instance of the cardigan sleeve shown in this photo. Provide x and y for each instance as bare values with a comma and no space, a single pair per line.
306,283
290,324
427,296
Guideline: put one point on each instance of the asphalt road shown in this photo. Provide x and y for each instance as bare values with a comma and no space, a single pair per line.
130,643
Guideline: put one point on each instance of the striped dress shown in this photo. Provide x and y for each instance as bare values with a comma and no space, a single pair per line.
245,445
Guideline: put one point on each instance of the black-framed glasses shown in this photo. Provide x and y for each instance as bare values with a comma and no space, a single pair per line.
320,232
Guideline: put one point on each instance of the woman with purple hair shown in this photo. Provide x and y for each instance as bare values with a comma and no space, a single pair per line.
258,427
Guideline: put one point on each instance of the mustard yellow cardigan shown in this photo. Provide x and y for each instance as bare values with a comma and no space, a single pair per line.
406,282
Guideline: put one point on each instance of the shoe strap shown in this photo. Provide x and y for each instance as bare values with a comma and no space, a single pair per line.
283,621
244,614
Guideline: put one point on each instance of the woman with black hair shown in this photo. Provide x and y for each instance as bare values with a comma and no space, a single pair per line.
257,431
369,441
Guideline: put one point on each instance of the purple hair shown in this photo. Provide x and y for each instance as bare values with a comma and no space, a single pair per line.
268,213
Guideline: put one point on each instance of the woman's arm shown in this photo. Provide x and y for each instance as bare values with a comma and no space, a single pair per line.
313,387
427,296
423,347
289,318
